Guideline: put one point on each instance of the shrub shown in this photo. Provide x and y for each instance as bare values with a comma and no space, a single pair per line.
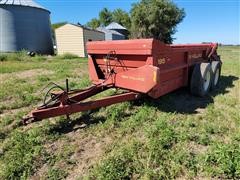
18,56
3,57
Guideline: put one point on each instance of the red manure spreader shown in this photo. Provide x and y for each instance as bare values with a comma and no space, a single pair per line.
139,67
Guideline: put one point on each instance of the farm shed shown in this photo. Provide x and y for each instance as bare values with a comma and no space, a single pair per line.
25,25
118,28
72,38
111,34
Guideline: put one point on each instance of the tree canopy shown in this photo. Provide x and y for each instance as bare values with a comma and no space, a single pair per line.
147,19
155,19
57,25
121,17
106,17
94,23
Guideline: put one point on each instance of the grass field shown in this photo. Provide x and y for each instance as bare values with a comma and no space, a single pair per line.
177,136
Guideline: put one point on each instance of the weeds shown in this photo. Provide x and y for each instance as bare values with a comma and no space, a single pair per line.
20,56
223,160
21,154
56,174
121,165
67,56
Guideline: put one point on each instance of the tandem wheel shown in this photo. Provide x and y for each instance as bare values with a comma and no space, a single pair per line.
205,77
216,69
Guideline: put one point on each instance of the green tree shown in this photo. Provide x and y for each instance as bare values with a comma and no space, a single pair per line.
121,17
105,17
57,25
94,23
155,19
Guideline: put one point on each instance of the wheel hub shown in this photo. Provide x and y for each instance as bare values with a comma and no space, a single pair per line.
216,77
207,81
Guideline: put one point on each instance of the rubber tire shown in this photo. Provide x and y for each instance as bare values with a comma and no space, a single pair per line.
215,66
198,78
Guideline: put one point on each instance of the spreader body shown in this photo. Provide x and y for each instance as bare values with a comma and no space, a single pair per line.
146,65
139,67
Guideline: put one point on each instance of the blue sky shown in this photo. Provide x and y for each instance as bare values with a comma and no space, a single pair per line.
206,20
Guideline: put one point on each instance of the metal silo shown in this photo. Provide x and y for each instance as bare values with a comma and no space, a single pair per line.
24,24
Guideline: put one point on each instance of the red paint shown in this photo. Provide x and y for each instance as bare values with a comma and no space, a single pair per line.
143,66
137,60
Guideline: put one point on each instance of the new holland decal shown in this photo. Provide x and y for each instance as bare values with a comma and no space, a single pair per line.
161,61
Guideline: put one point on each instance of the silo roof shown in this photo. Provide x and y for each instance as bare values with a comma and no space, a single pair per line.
28,3
115,25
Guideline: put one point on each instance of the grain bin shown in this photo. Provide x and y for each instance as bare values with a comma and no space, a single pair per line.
118,28
24,25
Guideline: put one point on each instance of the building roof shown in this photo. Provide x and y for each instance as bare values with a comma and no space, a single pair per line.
81,26
28,3
115,25
103,29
